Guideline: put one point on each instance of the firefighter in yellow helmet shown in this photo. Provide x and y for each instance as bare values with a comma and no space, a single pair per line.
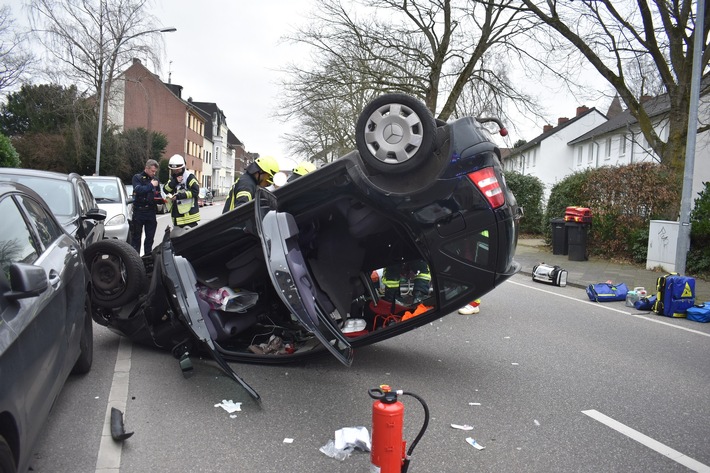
182,189
259,173
303,168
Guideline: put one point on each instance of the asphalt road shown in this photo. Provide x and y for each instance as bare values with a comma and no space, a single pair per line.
563,385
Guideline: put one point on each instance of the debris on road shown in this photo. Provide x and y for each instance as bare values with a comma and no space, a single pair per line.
475,444
462,427
230,406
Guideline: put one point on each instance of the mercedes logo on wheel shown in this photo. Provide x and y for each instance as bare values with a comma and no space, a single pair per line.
393,133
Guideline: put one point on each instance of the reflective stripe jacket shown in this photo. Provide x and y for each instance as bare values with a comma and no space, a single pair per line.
241,192
191,189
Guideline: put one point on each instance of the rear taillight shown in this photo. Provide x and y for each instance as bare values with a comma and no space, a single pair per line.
485,179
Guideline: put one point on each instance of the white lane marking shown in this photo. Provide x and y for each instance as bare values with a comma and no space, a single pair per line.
109,457
612,309
647,441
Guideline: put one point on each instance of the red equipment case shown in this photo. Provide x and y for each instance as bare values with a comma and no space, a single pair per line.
578,214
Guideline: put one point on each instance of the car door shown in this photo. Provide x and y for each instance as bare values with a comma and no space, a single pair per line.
291,277
181,282
35,329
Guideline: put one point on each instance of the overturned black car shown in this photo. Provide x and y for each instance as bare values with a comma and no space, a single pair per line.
291,274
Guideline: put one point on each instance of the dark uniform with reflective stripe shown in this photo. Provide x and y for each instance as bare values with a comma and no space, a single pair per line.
144,210
241,192
394,275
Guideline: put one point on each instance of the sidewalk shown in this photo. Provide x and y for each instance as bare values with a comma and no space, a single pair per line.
582,273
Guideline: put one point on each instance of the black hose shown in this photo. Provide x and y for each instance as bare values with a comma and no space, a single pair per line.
419,436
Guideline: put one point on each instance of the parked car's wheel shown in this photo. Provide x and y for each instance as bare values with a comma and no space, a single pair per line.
7,461
86,356
395,133
117,273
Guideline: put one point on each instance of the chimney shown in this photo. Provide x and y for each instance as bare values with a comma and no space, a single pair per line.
562,120
547,128
582,109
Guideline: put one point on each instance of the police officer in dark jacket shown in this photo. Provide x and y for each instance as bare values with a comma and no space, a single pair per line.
145,188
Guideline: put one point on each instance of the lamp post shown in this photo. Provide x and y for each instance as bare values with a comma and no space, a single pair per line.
103,89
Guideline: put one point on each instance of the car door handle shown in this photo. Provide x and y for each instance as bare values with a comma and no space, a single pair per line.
54,278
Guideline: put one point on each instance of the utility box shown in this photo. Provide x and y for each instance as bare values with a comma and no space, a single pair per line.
559,236
662,243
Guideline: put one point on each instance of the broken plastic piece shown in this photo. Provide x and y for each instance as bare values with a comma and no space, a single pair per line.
186,365
474,444
118,432
462,427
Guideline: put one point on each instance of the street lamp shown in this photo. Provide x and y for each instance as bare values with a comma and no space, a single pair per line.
103,89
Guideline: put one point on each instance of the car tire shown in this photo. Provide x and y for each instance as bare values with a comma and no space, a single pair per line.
7,460
86,344
117,273
395,133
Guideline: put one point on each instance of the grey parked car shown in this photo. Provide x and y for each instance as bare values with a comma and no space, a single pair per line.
68,197
46,329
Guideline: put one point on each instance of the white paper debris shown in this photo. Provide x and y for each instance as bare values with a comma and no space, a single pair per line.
288,440
462,427
357,437
514,364
232,416
346,441
474,403
230,406
537,422
475,444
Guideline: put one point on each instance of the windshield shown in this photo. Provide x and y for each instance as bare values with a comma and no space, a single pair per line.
58,195
104,190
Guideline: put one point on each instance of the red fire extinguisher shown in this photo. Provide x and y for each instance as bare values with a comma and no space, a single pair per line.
388,447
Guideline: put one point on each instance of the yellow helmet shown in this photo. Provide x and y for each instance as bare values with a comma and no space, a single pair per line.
268,164
303,168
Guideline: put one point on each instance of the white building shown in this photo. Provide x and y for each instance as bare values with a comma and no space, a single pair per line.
548,156
592,140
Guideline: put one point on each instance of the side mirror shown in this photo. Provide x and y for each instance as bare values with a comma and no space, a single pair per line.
95,214
26,280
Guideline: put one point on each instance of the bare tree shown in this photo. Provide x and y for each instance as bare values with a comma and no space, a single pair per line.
15,58
621,39
444,52
87,39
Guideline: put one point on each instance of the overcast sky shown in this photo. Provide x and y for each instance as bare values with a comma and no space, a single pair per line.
230,52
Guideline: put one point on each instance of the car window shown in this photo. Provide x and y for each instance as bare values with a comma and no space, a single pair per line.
16,242
86,199
47,228
105,190
58,194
